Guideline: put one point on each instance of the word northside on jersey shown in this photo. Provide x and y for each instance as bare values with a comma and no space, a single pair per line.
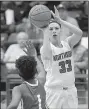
62,56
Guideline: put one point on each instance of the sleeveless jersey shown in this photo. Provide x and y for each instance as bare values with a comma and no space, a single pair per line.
33,96
60,69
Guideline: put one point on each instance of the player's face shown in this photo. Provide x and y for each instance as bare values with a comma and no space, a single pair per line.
54,29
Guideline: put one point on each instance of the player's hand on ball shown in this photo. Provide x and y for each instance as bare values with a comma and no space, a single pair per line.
29,48
56,14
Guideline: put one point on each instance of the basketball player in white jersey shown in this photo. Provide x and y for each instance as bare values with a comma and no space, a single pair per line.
58,62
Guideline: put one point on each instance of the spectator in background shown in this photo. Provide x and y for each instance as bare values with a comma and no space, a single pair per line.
4,30
15,51
81,65
65,32
14,18
80,57
3,67
16,14
4,26
84,42
21,21
2,54
21,10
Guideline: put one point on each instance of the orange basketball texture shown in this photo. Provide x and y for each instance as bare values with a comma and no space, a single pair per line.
40,15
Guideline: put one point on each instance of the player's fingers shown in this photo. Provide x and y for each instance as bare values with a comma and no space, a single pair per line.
25,51
52,13
55,8
56,11
24,44
30,44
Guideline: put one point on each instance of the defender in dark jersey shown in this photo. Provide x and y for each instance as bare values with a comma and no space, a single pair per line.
31,92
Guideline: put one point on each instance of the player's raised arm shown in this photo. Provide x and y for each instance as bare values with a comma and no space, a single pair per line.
46,49
77,32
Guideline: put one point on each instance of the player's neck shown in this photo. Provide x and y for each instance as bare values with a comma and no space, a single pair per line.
32,81
58,44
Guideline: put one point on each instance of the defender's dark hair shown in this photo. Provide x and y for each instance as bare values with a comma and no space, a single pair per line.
27,67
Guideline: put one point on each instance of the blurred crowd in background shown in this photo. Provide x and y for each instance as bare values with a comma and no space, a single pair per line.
16,27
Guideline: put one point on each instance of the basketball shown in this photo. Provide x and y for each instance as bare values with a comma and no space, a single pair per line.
40,15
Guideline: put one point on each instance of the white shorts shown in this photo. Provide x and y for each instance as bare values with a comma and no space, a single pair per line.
62,99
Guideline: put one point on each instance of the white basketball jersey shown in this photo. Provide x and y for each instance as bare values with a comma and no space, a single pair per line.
60,70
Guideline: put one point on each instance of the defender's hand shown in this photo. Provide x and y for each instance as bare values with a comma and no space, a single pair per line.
29,48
